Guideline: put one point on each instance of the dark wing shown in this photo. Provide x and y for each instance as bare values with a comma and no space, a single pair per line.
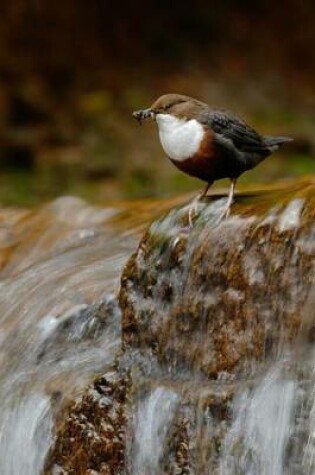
244,137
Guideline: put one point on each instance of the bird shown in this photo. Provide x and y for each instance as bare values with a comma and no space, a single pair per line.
207,143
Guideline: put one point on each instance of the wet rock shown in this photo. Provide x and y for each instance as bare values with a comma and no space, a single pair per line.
91,431
217,298
214,311
210,320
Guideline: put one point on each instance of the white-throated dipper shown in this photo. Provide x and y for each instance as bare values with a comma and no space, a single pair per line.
207,143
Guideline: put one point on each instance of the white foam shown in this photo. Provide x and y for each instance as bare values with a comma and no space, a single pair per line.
290,217
256,441
153,419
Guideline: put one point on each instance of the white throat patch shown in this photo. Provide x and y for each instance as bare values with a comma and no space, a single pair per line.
180,138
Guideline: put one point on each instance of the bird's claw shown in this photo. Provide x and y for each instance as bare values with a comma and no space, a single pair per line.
227,212
190,216
193,208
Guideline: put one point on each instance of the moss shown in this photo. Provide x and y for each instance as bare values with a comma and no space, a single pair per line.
216,283
91,435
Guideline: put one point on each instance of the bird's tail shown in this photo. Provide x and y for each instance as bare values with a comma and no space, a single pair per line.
275,142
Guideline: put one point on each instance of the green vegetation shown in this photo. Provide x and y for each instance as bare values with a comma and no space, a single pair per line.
24,188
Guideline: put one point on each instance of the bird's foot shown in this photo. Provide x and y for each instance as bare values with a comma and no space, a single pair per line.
227,211
194,204
230,199
193,208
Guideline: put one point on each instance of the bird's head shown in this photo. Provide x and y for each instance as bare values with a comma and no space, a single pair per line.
182,107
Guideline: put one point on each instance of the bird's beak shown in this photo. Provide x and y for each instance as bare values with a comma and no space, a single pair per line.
143,114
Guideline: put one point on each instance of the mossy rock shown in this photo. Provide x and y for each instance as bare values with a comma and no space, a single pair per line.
216,298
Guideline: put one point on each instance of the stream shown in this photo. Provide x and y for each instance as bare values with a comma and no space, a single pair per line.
51,342
60,326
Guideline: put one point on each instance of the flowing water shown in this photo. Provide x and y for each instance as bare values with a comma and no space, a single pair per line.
153,417
260,428
260,421
272,430
60,270
60,265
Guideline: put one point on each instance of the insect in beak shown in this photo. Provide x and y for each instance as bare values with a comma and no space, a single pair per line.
143,114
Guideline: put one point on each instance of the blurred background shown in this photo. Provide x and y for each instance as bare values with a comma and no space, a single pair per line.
72,72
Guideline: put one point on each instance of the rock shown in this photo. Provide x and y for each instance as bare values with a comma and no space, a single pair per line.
219,377
218,297
90,433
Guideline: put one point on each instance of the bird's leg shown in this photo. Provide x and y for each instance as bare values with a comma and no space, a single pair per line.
230,197
193,206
